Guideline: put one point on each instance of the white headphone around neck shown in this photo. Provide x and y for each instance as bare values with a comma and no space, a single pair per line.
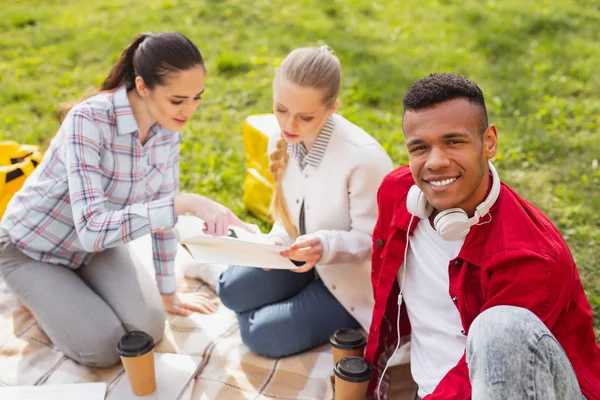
454,223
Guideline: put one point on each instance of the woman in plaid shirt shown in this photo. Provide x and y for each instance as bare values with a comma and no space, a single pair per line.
111,175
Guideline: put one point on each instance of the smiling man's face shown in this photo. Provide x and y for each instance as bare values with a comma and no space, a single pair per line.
448,154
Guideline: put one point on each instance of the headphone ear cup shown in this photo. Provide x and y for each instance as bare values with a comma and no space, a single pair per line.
417,204
452,224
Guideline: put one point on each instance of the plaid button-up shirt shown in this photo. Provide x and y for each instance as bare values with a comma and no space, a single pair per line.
98,187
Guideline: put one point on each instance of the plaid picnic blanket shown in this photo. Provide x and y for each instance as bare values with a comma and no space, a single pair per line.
228,370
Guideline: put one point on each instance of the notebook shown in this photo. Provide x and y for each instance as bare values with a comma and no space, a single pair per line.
76,391
173,374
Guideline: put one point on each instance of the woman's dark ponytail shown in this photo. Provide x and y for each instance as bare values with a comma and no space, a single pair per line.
150,56
123,72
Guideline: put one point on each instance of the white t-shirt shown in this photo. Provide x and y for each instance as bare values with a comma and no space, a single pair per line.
436,339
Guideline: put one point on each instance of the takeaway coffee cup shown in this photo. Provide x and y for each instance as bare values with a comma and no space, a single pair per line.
136,349
346,343
352,376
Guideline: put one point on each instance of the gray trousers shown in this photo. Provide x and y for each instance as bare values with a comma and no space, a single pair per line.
86,311
512,355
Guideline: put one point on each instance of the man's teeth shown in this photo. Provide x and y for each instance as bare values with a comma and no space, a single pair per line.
442,183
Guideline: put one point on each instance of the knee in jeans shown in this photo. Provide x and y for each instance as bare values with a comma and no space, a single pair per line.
227,293
262,347
503,324
260,339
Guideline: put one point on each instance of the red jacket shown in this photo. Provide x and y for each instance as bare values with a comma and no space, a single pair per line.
518,259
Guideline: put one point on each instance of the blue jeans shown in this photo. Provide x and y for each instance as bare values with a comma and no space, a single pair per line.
281,312
512,355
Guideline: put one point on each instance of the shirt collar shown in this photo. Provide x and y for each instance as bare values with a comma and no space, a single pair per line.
316,153
126,122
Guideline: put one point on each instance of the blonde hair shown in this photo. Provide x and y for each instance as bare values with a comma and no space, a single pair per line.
315,67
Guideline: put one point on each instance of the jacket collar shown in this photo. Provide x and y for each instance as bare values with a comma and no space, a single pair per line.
317,152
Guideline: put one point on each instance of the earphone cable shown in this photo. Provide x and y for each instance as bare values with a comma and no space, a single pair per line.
399,308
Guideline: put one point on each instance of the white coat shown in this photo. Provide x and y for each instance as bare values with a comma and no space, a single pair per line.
340,207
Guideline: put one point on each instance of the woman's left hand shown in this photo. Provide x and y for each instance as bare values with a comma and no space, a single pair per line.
307,248
186,303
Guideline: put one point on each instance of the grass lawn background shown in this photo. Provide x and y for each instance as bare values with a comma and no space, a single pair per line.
536,61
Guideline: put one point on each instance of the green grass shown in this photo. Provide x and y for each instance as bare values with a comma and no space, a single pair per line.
535,60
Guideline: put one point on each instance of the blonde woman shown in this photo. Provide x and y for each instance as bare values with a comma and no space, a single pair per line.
327,172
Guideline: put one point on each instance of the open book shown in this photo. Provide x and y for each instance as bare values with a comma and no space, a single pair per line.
240,247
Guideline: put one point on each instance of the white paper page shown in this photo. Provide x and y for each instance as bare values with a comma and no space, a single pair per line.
75,391
247,249
247,256
173,374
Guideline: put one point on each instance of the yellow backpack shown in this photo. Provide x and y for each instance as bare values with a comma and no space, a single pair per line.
258,182
17,162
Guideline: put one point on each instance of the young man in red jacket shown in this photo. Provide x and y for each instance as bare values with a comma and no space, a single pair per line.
490,295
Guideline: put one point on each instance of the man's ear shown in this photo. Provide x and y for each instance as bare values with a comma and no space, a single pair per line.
490,141
140,86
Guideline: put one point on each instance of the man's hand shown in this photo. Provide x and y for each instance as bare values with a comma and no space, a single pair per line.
185,303
307,248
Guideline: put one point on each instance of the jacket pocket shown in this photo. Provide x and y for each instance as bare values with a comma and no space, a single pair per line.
473,300
394,245
470,288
